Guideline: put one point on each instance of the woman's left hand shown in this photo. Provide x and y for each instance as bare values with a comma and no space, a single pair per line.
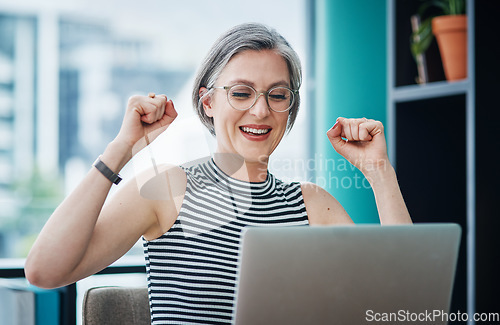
361,142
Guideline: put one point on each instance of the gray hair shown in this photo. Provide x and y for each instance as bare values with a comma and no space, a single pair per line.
249,36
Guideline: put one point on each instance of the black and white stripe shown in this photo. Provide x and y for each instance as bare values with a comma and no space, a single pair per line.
192,268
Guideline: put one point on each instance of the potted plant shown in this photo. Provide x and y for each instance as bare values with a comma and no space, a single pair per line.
448,23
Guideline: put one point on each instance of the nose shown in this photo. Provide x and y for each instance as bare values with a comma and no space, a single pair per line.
260,109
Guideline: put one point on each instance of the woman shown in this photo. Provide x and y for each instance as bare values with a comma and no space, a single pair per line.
246,93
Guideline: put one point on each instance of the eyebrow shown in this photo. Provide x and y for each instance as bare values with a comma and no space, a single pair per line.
250,83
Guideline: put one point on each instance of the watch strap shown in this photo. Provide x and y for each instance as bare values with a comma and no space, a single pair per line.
106,171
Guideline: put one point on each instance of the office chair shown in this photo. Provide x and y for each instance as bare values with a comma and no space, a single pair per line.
116,306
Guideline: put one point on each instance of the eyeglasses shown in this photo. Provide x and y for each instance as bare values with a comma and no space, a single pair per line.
244,97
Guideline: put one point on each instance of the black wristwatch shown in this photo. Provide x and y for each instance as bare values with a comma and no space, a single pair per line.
108,173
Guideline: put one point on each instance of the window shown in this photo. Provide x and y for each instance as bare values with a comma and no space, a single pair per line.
67,71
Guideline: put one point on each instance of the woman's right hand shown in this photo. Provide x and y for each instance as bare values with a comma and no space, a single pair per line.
145,118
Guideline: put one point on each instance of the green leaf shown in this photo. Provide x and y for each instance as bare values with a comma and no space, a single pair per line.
422,38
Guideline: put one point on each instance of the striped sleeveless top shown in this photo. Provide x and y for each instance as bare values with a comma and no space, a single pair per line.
192,268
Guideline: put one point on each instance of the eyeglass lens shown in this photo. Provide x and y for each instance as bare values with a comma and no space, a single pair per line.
243,97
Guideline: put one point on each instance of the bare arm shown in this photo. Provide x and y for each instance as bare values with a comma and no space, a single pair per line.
84,235
390,203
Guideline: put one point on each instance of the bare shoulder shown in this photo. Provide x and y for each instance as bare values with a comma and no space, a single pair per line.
322,208
160,191
163,182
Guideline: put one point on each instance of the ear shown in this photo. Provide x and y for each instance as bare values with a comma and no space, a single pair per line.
206,101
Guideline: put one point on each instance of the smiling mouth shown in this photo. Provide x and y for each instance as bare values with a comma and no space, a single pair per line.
253,131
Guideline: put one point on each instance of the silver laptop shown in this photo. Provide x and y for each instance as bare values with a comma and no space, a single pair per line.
365,274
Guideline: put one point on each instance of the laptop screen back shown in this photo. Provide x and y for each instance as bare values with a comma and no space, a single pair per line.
346,274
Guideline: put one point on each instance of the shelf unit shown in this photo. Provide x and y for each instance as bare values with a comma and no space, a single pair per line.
431,141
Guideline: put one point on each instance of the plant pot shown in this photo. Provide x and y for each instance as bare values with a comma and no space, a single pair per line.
451,35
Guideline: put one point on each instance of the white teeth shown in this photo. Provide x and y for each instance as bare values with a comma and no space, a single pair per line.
254,131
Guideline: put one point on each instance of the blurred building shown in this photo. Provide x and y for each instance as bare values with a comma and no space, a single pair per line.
64,84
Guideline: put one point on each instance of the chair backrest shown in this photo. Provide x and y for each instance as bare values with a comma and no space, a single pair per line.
116,305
